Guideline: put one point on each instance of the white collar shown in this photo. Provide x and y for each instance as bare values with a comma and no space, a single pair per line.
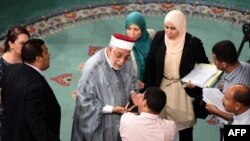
37,69
148,115
106,55
242,115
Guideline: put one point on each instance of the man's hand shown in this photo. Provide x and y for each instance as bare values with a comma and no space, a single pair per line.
212,120
118,109
216,111
212,108
122,110
136,97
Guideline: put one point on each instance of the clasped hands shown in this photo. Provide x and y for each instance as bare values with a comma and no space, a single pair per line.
135,98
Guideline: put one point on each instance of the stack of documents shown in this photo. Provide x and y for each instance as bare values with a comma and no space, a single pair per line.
203,75
214,96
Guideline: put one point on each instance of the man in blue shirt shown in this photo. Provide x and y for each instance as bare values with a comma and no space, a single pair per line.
234,72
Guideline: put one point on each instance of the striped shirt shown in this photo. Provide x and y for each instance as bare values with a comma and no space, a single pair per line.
240,76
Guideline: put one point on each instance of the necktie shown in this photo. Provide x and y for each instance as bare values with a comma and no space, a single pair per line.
231,120
220,84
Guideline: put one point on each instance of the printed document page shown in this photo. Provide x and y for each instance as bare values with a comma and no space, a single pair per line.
214,96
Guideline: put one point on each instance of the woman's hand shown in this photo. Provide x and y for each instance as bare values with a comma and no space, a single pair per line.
189,85
140,84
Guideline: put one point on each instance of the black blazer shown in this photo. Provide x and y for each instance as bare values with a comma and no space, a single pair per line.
31,110
193,52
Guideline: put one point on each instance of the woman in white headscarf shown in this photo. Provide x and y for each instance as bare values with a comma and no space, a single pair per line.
173,55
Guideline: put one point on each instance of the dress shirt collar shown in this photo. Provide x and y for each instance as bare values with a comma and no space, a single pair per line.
148,115
242,116
37,69
230,76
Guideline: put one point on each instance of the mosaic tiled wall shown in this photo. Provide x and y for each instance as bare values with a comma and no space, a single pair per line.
44,26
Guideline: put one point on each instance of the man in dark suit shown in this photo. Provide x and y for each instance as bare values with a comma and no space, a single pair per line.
31,110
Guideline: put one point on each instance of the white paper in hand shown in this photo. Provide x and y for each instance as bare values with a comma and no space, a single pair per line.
214,96
200,75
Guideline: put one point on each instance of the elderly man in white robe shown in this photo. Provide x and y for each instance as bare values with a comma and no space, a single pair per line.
105,87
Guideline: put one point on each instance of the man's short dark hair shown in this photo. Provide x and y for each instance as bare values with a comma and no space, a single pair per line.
156,99
31,49
225,51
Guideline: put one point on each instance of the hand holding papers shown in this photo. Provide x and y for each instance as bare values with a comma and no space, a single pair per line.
203,75
214,96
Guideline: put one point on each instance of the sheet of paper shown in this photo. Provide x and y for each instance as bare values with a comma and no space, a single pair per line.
214,96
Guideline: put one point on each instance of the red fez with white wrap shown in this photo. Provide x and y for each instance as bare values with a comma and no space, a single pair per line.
122,41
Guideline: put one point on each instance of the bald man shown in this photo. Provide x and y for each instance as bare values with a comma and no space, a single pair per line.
237,101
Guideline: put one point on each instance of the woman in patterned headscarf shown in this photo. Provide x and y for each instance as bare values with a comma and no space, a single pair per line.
136,28
173,55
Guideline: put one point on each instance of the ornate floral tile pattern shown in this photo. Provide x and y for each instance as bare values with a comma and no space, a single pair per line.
49,25
46,26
